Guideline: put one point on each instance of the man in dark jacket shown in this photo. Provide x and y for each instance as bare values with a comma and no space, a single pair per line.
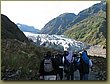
48,68
84,66
61,65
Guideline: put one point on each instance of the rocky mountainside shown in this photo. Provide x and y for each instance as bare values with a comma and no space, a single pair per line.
91,30
26,28
9,30
88,12
65,21
90,25
58,24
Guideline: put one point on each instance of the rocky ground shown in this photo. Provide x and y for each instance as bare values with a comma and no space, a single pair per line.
97,51
99,59
99,68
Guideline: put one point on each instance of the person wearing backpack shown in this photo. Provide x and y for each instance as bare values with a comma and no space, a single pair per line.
68,66
85,64
48,68
74,63
75,60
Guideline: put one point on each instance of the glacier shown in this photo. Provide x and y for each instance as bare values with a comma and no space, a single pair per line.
59,42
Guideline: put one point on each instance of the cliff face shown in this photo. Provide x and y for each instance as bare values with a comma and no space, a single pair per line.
9,30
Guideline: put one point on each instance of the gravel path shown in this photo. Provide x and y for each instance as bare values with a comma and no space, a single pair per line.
91,75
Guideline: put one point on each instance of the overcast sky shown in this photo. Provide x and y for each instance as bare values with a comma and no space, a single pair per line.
38,13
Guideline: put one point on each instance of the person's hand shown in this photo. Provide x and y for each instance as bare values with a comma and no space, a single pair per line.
41,78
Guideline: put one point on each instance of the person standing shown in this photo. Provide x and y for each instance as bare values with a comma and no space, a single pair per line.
84,66
60,61
48,68
69,65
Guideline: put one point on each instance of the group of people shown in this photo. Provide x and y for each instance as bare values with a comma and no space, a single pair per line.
63,66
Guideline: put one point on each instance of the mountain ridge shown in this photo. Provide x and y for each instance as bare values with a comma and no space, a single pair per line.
9,30
26,28
57,25
88,12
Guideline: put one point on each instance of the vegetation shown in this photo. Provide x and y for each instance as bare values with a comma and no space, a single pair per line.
91,30
88,12
17,55
66,21
99,67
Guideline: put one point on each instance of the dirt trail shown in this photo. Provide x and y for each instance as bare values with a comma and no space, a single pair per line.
90,77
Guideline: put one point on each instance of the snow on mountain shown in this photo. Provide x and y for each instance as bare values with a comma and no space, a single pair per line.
59,42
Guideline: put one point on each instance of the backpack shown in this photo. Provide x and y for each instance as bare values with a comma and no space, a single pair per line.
83,67
48,67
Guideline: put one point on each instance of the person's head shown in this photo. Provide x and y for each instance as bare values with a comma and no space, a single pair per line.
75,51
80,54
66,53
84,49
48,53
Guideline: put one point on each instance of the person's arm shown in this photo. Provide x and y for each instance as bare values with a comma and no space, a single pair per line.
90,63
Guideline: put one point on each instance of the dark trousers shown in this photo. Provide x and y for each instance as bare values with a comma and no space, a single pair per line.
83,76
70,76
61,73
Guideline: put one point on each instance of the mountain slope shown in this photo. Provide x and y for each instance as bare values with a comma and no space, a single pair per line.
20,59
88,12
65,21
91,30
57,25
26,28
9,30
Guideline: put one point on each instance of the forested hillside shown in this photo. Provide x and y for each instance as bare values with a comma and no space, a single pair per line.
91,30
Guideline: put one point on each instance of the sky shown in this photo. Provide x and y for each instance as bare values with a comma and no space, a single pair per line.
38,13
